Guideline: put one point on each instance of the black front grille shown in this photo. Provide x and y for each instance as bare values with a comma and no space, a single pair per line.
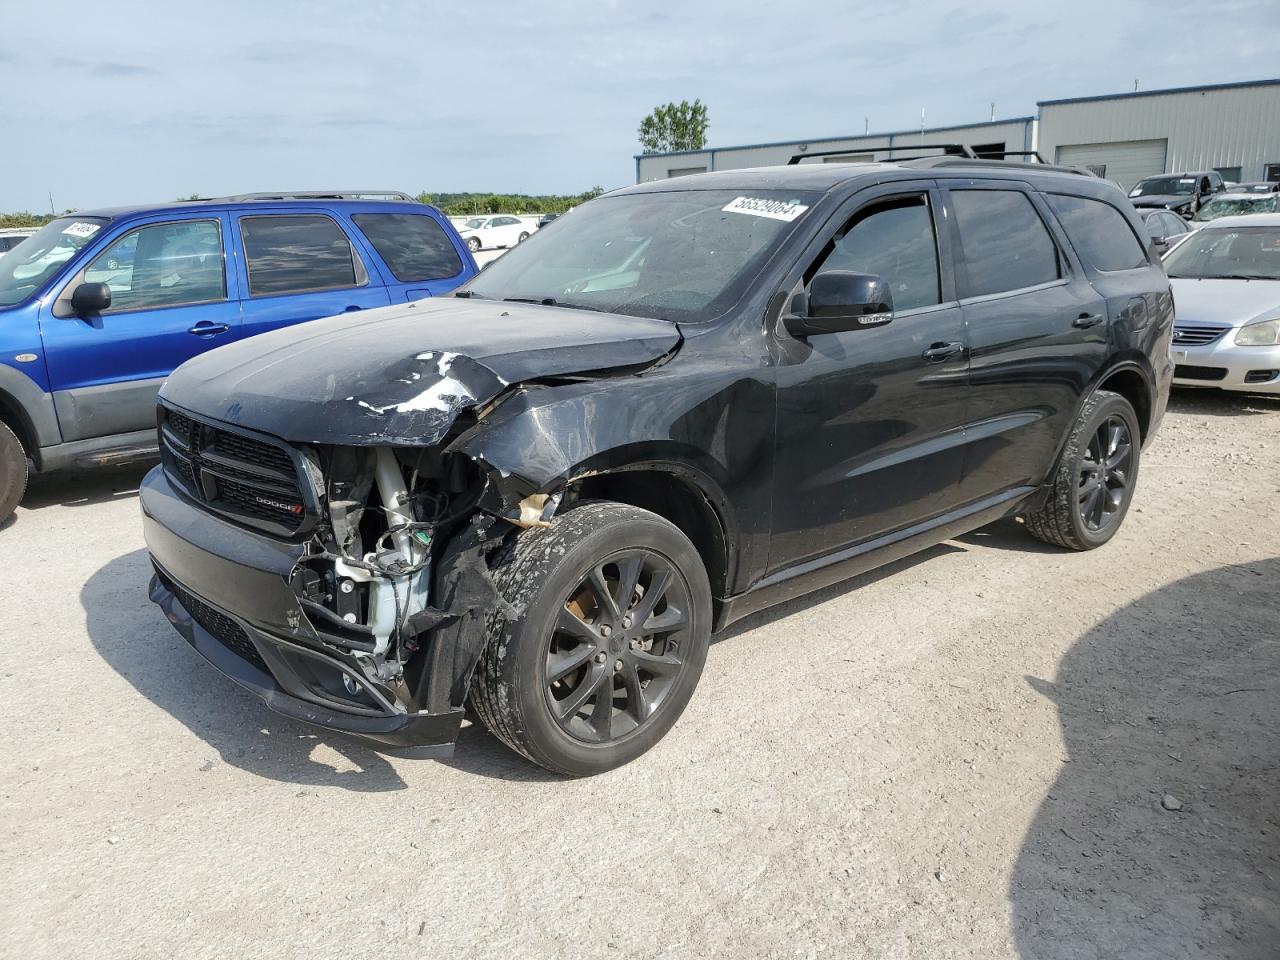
1185,335
218,625
242,477
1186,372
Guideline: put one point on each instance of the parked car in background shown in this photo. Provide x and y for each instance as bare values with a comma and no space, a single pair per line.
1226,282
1164,228
96,309
11,237
689,401
1259,186
1235,204
484,233
1183,193
546,218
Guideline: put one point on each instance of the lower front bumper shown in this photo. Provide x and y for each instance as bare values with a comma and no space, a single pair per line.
204,568
1226,366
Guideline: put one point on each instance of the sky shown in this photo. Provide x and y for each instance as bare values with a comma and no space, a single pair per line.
129,101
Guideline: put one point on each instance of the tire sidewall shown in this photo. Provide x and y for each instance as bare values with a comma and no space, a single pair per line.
13,472
528,637
1111,405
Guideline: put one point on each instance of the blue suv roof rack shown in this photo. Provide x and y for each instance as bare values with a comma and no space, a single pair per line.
312,195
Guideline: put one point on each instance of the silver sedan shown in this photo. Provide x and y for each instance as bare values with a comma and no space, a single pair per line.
1226,291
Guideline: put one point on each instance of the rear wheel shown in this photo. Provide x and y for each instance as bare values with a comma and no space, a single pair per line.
473,244
615,618
523,237
13,472
1094,481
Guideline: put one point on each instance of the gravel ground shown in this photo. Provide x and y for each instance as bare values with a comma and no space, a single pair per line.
972,754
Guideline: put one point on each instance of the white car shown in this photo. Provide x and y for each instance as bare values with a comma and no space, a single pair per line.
1232,204
502,230
11,237
1226,291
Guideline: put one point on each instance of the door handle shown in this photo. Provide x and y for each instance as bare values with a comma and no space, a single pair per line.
1086,320
943,351
207,328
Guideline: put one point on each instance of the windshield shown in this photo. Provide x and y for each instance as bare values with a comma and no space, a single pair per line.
474,223
1245,253
32,263
685,255
1235,206
1164,186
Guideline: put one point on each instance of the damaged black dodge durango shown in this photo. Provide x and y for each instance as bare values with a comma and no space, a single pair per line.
685,401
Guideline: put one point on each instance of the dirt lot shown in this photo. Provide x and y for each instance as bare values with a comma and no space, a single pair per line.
967,755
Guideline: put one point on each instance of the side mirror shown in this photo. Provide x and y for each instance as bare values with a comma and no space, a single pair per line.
1161,245
840,300
90,299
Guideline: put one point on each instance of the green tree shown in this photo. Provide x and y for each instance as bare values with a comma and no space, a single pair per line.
675,126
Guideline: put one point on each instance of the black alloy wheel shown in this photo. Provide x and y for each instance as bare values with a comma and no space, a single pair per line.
1104,473
615,650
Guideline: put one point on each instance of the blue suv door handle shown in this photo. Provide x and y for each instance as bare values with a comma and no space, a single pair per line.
207,328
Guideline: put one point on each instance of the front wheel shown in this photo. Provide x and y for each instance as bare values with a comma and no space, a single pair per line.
1093,483
614,621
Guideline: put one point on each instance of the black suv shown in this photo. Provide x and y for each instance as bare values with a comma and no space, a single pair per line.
1182,193
540,497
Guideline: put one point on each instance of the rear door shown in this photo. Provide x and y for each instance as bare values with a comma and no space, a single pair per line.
172,297
297,265
416,256
1037,333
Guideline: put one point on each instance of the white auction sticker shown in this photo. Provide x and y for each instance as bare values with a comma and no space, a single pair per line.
81,230
759,207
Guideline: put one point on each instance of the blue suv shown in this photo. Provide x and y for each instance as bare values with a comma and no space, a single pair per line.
97,308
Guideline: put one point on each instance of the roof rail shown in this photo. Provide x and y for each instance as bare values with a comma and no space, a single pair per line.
313,195
950,149
983,161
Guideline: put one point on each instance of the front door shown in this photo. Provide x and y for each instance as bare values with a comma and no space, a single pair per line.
300,266
170,300
870,426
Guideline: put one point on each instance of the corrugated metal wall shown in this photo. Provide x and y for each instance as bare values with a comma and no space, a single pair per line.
1235,126
1015,134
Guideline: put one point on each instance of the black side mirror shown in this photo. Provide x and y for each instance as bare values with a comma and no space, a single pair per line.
1161,245
90,299
840,300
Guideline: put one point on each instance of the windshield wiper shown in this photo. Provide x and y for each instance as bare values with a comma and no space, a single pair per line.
553,302
470,295
1247,276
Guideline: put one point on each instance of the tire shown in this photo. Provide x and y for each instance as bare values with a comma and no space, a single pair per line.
546,575
13,472
1081,511
522,238
473,244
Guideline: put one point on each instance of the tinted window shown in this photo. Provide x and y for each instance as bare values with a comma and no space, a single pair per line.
292,254
895,242
162,265
1099,232
414,246
1006,244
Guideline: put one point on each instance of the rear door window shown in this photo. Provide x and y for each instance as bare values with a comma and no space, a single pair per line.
1005,244
298,253
413,245
1099,232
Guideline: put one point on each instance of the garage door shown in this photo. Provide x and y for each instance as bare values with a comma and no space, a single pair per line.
1125,162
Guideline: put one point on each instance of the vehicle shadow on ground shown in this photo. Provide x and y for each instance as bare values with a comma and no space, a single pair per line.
134,638
1220,403
84,487
1177,694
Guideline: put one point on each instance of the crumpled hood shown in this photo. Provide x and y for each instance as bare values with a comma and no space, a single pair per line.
401,374
1234,302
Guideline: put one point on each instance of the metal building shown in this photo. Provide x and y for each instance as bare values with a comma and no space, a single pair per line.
1015,134
1231,127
